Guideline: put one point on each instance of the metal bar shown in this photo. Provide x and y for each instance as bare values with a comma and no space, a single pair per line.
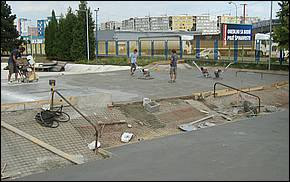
166,49
117,48
237,90
180,47
152,48
107,47
97,134
139,48
128,49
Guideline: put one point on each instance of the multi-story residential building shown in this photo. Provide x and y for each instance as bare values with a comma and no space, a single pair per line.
103,26
22,26
159,23
207,24
128,24
229,19
252,20
182,22
142,23
113,25
32,31
240,20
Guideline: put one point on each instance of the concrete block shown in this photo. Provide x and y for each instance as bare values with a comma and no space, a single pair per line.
152,106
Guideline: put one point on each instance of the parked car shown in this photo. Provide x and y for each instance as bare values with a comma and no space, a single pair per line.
209,54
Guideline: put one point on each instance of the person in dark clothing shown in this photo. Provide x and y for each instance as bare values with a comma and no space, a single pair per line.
12,62
173,66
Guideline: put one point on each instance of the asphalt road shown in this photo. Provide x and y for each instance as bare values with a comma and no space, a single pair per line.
123,87
252,149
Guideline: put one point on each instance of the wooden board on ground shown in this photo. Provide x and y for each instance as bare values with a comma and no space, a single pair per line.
42,144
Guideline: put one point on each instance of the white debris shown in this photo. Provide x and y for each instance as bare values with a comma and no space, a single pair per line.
129,126
146,100
126,137
271,109
92,145
209,124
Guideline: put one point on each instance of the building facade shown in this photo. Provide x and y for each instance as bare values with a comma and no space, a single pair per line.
207,24
111,25
240,20
159,23
128,24
22,26
182,22
142,24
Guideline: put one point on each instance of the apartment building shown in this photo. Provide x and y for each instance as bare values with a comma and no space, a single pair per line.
159,23
182,22
128,24
142,24
207,24
111,25
240,20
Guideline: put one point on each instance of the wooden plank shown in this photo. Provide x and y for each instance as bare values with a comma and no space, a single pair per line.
42,144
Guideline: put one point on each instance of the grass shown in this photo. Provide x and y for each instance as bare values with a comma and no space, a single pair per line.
120,61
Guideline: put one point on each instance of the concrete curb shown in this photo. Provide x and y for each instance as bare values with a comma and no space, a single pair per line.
96,100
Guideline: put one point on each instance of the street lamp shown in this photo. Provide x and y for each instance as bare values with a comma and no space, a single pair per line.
270,47
88,45
231,2
97,48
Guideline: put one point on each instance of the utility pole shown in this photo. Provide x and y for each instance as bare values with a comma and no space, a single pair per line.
88,46
244,18
231,2
270,47
97,48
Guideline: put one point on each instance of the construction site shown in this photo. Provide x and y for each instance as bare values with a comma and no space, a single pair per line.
107,108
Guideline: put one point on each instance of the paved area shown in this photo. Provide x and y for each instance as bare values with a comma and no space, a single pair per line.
252,149
123,87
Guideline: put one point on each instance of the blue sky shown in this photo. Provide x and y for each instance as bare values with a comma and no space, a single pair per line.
119,10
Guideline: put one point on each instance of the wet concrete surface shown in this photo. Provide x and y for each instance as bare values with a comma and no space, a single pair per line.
124,87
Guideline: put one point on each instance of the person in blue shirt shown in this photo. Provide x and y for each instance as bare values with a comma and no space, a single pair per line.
133,59
173,66
12,62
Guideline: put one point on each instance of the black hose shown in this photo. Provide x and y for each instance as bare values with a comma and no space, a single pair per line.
51,119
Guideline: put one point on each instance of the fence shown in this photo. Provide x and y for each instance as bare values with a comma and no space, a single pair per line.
237,51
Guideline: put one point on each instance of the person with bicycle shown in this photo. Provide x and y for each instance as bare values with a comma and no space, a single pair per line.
133,61
13,64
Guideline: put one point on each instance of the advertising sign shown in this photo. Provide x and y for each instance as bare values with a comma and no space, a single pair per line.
237,32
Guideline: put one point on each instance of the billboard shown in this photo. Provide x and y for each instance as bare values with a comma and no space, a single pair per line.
41,24
237,32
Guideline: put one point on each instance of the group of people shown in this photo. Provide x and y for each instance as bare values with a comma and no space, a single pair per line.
173,64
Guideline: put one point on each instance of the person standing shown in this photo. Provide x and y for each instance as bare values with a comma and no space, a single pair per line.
133,58
12,62
173,66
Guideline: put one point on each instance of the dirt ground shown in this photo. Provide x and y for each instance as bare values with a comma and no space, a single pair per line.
173,112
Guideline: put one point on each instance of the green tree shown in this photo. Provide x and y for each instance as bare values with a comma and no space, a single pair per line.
50,37
9,34
69,27
79,46
281,32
